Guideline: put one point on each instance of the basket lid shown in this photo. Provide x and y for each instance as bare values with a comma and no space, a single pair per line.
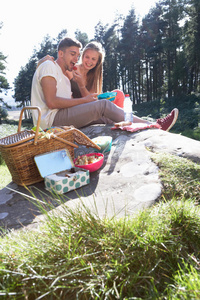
54,162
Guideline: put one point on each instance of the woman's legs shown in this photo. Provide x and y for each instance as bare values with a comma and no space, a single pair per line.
139,120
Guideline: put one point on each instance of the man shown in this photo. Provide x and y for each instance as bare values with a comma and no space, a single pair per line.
51,91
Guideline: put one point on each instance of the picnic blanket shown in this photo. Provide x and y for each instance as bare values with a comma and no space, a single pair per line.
137,127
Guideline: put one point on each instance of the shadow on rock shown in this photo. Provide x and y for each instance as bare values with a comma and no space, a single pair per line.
119,145
21,205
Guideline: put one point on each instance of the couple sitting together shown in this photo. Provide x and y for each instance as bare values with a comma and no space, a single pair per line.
66,92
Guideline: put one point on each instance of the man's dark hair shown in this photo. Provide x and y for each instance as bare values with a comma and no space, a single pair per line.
68,42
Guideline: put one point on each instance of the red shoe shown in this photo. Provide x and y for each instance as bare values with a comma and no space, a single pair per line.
169,121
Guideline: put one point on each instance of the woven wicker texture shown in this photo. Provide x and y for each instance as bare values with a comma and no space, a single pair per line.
19,151
15,139
20,158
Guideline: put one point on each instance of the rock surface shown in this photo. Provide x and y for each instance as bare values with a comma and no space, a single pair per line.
127,182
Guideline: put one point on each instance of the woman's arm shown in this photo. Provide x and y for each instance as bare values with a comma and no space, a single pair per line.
81,82
43,59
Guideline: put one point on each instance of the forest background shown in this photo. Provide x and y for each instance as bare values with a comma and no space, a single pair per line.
156,61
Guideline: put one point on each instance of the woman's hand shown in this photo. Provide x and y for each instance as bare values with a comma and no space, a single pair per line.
78,78
43,59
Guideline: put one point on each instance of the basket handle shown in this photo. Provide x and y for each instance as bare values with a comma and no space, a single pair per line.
38,121
65,141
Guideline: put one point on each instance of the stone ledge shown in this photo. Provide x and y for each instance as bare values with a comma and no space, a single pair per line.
127,182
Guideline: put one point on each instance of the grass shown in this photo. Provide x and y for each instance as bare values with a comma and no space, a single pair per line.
192,133
74,254
6,177
79,256
7,129
180,176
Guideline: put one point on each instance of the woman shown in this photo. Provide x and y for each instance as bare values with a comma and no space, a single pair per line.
89,74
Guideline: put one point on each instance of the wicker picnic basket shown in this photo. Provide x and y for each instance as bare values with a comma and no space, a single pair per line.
18,150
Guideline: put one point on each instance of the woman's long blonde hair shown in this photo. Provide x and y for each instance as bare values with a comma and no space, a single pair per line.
95,75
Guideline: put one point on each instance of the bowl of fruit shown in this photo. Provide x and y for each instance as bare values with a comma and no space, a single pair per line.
91,161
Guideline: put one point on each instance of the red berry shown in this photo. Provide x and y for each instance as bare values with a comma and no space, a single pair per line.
74,68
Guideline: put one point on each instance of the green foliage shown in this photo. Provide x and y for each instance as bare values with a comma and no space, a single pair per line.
81,37
192,133
189,111
191,45
100,31
111,72
3,113
23,84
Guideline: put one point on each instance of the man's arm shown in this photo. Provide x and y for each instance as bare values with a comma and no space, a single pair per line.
48,84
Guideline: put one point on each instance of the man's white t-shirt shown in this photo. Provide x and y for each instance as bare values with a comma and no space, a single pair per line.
48,68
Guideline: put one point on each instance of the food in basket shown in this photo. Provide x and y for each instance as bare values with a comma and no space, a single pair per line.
49,132
86,160
34,129
54,130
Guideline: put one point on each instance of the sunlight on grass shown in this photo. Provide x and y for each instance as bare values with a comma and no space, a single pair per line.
76,255
186,280
5,177
180,176
7,129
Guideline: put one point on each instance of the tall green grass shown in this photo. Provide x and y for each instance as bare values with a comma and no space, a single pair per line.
77,255
74,254
180,176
